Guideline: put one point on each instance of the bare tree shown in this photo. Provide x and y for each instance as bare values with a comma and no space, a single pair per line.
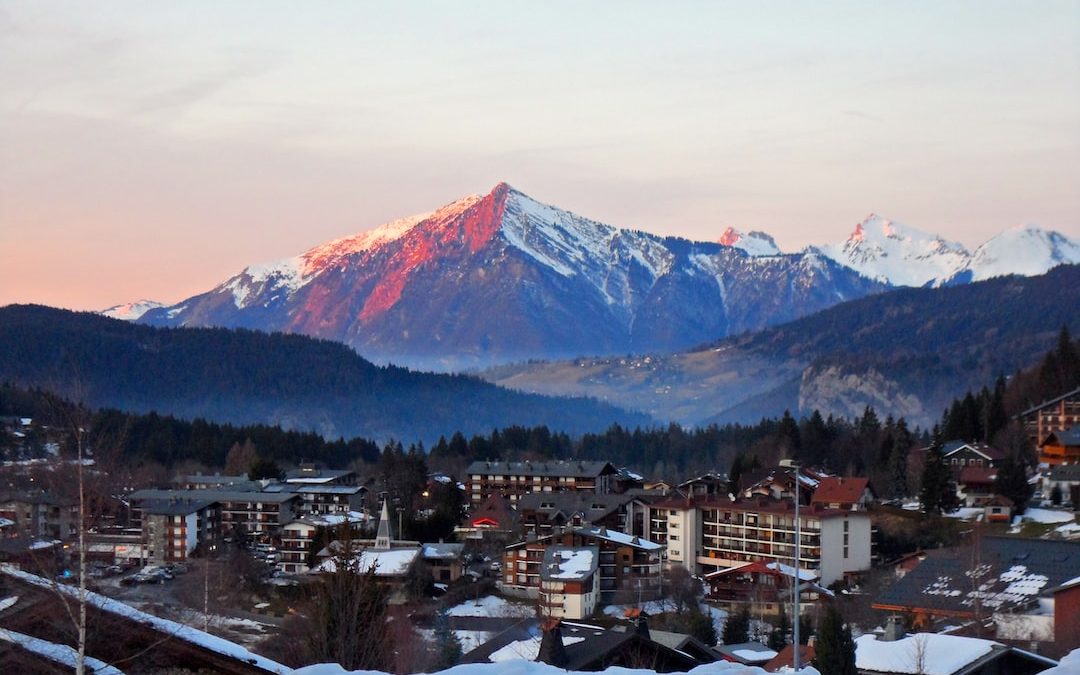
919,644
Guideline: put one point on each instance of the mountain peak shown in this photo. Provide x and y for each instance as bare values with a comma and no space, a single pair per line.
753,243
130,311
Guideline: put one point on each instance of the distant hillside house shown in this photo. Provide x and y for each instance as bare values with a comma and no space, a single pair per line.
1061,447
848,494
1057,414
516,479
959,454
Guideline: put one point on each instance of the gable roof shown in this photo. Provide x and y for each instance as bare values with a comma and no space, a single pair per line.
978,474
986,451
940,654
1070,436
592,506
837,490
551,469
1037,408
1005,573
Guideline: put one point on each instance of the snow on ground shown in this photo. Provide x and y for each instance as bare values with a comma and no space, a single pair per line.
966,513
470,639
518,667
1038,515
1069,529
492,605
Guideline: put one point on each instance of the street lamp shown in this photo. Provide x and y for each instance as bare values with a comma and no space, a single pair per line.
791,464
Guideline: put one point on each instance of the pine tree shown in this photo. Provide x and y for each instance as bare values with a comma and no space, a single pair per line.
938,491
1012,481
835,650
898,460
700,625
778,637
737,627
447,645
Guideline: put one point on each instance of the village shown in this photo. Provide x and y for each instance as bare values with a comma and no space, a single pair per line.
579,564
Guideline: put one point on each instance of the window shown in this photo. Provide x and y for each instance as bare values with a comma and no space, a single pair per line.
671,512
674,537
845,551
846,524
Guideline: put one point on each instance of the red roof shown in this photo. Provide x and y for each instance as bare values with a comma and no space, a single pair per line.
979,475
751,505
786,658
835,490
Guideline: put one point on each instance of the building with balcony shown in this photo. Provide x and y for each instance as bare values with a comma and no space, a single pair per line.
711,533
766,587
174,528
304,537
1057,414
1059,448
242,512
540,512
629,567
570,582
515,479
41,514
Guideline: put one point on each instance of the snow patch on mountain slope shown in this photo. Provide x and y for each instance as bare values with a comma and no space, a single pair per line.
571,245
131,311
1026,250
888,251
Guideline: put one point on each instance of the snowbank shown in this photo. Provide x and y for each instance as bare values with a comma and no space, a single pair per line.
1048,516
491,605
1070,665
531,668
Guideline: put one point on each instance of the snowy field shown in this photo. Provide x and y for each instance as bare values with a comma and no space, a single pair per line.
491,605
1048,516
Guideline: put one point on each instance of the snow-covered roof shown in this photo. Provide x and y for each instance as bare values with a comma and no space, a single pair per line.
920,654
619,538
57,653
394,562
171,628
567,563
519,666
788,570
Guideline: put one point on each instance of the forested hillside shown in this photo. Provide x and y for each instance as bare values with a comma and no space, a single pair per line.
247,377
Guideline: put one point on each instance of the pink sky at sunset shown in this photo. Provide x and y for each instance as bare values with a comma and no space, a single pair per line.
151,150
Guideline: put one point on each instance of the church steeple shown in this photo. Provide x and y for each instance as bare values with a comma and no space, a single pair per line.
383,536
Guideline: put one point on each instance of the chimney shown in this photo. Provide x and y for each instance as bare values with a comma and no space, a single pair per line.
552,651
894,629
641,626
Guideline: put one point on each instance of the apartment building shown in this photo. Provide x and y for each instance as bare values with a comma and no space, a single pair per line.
710,533
570,582
1057,414
41,514
248,512
300,538
515,479
628,565
174,528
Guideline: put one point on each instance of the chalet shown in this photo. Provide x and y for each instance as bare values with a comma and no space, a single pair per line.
785,660
959,454
628,564
848,494
570,581
1004,574
1057,414
600,650
493,517
706,484
976,485
515,479
766,587
1061,447
444,560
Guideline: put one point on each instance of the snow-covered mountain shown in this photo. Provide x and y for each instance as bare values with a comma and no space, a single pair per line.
753,243
504,277
1027,250
898,254
901,255
130,311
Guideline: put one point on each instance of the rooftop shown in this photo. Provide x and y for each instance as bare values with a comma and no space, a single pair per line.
565,563
590,469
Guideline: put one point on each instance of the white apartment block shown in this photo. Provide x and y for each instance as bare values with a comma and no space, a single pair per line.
713,532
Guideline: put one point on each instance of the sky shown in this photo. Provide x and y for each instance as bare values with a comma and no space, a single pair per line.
152,150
